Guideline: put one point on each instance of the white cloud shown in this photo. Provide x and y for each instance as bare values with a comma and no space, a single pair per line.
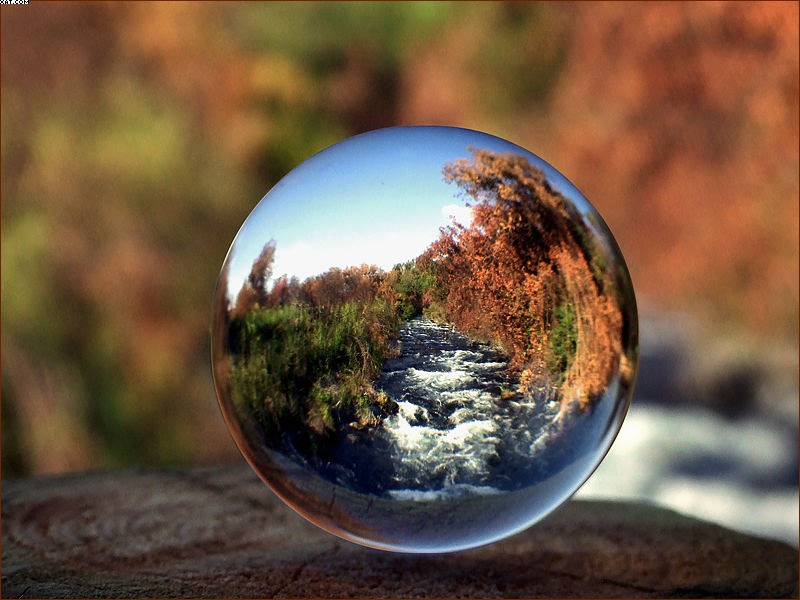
461,214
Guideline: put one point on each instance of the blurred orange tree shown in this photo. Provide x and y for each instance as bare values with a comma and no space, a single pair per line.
137,136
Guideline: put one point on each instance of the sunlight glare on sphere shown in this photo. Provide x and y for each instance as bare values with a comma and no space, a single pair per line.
424,339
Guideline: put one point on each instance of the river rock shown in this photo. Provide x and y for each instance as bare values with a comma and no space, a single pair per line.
222,533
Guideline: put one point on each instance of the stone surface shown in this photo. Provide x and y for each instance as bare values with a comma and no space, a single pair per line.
222,533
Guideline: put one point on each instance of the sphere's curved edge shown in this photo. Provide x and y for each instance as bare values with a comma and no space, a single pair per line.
344,524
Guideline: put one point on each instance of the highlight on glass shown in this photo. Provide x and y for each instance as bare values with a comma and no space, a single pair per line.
424,339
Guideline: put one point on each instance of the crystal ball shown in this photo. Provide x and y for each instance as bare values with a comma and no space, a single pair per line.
424,339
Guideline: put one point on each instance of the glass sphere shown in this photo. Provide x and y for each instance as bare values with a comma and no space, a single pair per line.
424,339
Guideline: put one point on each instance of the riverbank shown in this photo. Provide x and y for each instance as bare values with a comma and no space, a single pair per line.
463,429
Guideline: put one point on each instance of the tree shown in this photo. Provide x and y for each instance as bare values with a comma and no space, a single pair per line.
254,290
527,273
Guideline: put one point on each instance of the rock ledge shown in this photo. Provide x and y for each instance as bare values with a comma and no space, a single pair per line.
222,533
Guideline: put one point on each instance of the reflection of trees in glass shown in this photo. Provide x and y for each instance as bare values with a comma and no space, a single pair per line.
304,355
254,290
527,274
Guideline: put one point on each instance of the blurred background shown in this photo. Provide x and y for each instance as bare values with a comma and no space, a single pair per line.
136,138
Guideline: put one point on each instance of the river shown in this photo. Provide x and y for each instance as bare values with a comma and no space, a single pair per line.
461,428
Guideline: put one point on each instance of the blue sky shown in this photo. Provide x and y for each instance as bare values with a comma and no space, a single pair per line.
377,198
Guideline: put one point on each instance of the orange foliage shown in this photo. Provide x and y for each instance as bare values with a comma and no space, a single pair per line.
336,286
528,253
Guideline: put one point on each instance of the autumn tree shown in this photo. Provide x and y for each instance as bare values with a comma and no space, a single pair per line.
527,274
254,291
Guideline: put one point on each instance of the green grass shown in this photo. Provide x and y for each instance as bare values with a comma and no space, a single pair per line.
306,371
563,342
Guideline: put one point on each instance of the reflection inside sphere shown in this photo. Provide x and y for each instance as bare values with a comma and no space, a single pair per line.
424,339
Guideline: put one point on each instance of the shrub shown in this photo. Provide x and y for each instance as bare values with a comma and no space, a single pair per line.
304,371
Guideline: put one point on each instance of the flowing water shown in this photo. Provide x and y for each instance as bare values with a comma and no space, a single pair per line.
461,428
